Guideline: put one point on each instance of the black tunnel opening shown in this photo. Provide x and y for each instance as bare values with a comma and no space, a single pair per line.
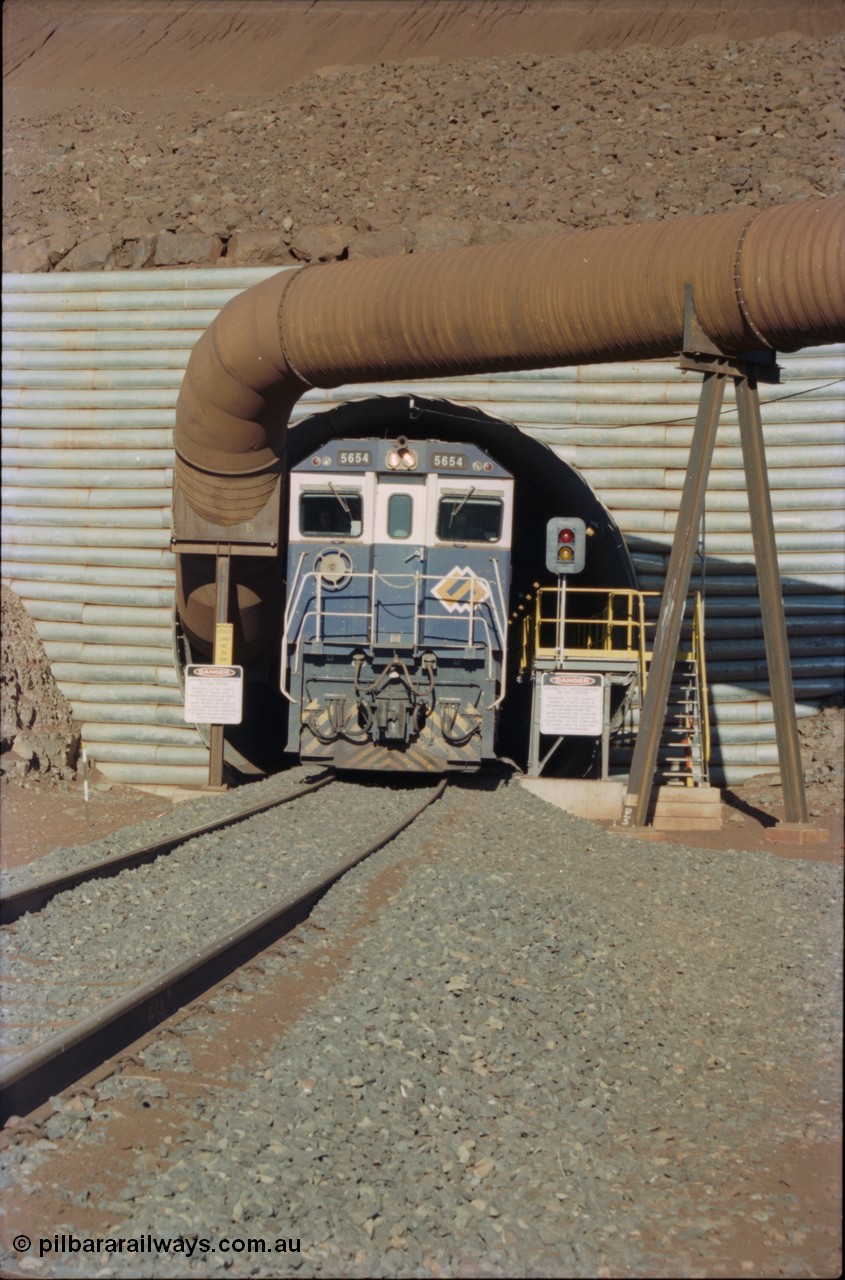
545,486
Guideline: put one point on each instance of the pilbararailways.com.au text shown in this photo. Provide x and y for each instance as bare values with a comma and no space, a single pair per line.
149,1243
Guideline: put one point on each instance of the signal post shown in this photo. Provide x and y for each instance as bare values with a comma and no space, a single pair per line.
569,698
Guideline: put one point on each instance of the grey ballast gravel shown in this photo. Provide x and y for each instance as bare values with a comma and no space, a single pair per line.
556,1051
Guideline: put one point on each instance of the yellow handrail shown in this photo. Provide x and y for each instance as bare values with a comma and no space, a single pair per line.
617,629
703,692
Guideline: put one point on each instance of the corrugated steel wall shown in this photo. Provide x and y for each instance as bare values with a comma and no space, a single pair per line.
92,364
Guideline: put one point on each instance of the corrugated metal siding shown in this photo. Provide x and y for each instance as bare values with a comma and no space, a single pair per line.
92,365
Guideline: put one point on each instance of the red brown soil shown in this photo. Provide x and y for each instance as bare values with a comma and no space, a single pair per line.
39,818
280,131
178,46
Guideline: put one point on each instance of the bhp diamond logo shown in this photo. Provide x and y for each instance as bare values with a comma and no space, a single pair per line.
460,591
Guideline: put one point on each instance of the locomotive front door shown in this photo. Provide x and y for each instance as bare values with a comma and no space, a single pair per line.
399,561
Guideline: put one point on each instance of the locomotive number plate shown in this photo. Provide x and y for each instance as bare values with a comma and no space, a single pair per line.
441,461
354,458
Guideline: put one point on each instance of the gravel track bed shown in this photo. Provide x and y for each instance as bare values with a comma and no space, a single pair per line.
109,934
183,817
556,1051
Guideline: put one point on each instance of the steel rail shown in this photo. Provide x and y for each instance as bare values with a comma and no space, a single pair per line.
39,1073
34,897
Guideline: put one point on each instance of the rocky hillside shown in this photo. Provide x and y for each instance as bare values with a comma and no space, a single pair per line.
39,738
400,157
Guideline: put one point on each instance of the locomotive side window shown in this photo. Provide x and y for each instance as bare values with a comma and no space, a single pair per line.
336,513
400,515
464,518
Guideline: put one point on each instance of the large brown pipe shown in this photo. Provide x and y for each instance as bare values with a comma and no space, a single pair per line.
773,279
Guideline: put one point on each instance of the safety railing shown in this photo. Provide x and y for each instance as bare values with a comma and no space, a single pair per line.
607,626
701,666
480,612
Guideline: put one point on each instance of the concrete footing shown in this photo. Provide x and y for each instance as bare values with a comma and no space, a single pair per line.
585,798
673,808
796,833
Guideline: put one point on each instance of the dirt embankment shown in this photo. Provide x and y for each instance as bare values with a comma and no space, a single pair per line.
260,46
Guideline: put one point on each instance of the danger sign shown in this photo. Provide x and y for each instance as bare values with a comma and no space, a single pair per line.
214,694
571,704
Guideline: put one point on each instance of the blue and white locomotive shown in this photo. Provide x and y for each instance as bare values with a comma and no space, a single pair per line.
394,646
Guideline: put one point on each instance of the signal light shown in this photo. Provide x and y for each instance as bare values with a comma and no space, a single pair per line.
566,538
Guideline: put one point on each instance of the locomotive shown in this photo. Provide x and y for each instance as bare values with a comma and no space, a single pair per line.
394,639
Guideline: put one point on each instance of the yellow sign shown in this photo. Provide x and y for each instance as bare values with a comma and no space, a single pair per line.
224,642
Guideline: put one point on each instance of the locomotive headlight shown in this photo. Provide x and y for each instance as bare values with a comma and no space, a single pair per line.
402,458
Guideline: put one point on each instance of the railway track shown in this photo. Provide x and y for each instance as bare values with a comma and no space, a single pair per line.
35,896
43,1069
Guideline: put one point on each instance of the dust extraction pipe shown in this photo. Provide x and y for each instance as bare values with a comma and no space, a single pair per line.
773,279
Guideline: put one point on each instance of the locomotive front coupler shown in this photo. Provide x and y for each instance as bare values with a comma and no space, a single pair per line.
391,707
396,669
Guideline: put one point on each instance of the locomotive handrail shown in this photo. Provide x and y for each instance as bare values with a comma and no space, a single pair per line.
503,622
320,612
373,576
291,604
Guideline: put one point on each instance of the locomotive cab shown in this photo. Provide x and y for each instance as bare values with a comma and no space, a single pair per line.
395,630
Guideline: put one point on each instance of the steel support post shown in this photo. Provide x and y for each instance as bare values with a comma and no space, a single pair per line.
678,573
221,614
605,728
534,741
771,600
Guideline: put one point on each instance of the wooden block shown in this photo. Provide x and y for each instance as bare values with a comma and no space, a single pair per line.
684,809
669,823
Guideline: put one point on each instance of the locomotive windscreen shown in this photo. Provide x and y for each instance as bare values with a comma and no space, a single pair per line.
338,513
463,518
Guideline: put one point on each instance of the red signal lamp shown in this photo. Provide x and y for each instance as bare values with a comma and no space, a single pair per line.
565,544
